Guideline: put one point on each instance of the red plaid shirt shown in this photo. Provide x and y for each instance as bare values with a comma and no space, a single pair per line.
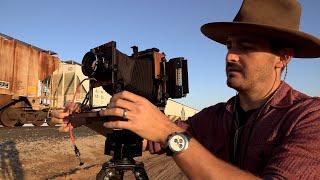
282,143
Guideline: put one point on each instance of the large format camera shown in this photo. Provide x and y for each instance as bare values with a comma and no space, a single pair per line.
146,73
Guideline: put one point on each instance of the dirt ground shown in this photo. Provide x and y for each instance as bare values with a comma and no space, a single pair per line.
46,154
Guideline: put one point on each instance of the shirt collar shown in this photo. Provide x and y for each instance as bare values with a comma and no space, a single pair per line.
230,104
282,98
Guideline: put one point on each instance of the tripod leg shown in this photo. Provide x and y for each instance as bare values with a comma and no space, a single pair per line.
140,173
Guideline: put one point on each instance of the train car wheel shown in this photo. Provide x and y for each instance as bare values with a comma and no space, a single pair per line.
48,120
38,122
8,117
39,118
18,124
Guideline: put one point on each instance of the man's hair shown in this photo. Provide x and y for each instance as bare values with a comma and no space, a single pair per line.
277,45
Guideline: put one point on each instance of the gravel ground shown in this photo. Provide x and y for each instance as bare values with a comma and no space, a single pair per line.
43,153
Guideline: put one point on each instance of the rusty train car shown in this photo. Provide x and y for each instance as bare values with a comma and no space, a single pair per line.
25,72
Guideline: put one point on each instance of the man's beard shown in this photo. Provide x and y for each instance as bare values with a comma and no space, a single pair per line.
233,80
234,84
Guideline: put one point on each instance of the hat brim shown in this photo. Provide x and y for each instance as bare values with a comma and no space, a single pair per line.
304,45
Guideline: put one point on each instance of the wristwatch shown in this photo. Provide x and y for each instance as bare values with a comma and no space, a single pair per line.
177,142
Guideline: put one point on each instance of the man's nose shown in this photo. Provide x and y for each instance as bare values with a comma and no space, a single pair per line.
232,56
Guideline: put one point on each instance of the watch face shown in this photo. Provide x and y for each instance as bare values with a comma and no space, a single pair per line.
177,143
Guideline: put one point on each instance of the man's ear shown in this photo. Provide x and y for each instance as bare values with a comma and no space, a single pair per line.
285,56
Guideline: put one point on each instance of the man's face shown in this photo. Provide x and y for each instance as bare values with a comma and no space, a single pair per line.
250,63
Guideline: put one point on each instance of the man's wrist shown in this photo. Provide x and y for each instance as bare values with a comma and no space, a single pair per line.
171,128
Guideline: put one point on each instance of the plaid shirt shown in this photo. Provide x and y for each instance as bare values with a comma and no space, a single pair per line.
282,143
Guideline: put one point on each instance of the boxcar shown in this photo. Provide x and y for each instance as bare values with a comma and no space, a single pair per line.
25,72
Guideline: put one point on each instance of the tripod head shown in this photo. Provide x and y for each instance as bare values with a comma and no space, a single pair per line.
123,144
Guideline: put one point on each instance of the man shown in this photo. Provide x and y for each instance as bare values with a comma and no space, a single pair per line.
268,130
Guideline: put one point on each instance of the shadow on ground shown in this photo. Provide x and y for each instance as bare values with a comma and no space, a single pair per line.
10,165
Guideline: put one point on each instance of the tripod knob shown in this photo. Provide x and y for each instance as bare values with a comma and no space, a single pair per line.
109,174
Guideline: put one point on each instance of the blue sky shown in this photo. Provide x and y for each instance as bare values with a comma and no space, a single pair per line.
71,28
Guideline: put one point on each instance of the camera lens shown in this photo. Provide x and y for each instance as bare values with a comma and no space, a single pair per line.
89,64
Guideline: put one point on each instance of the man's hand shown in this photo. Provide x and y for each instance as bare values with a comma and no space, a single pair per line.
142,116
60,116
154,147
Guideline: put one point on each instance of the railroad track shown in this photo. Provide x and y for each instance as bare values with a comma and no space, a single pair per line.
28,125
34,133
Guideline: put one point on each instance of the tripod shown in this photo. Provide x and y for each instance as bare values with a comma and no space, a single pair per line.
123,146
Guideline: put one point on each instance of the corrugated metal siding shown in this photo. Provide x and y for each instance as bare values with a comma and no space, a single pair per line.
20,70
33,78
22,66
179,110
6,61
47,65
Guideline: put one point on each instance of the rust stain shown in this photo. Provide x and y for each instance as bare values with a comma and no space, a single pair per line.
23,66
